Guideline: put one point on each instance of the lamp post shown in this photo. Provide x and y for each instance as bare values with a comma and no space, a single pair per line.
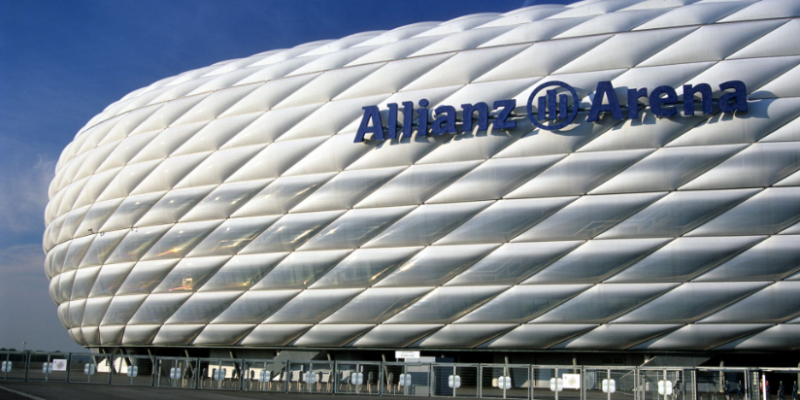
23,346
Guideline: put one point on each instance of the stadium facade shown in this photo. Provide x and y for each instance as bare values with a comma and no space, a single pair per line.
534,181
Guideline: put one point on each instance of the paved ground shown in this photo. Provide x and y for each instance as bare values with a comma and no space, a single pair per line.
61,391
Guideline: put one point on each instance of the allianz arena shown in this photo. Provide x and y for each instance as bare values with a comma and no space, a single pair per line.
234,207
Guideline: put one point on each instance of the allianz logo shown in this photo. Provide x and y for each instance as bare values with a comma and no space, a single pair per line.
555,108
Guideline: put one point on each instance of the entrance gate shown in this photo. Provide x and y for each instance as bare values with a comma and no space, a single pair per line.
176,372
505,381
310,376
554,383
264,376
456,380
603,383
775,384
410,379
220,374
666,384
358,377
132,371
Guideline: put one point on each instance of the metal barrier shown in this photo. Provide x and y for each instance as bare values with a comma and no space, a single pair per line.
311,376
265,376
409,379
357,377
557,382
604,383
47,367
176,372
220,374
456,380
666,384
13,366
132,370
506,381
89,368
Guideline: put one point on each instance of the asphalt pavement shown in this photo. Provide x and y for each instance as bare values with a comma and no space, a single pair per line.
62,391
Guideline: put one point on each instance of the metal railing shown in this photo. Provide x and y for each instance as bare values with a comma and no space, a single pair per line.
435,379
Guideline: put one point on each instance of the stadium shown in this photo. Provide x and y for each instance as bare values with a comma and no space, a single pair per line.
598,183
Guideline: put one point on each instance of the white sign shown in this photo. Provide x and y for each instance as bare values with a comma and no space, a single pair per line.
609,386
504,382
358,378
454,381
571,381
47,368
59,364
664,387
5,366
220,374
406,354
89,369
556,385
264,376
133,371
404,380
311,377
174,373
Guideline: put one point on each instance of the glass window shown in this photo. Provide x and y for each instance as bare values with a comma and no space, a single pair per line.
588,217
690,301
146,275
242,271
110,279
102,247
347,189
311,306
98,215
190,274
131,209
427,224
364,267
136,243
84,279
181,239
521,303
513,262
436,265
224,201
95,311
158,308
604,302
300,269
355,228
255,306
122,309
174,205
686,257
446,304
282,195
596,260
678,213
201,308
232,236
290,232
77,249
504,220
376,305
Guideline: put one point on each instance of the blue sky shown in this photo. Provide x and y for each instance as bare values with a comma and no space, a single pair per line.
63,62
